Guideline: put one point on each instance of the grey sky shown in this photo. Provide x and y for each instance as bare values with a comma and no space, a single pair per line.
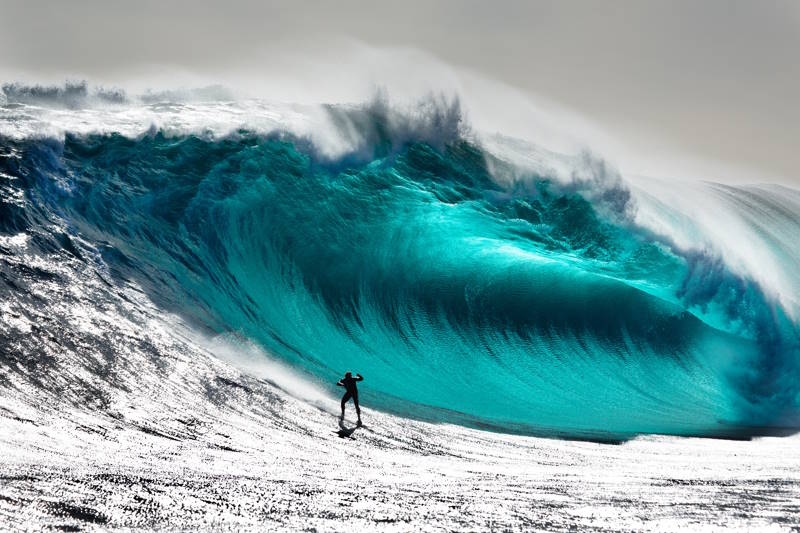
714,79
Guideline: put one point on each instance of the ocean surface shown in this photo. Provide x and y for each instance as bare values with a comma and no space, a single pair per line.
547,343
472,278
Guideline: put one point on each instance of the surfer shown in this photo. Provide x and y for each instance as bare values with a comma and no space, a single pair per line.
351,391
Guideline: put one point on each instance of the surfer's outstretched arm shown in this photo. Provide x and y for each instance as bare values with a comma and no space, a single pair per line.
359,377
340,383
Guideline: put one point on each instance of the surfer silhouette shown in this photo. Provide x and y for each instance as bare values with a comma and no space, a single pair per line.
351,391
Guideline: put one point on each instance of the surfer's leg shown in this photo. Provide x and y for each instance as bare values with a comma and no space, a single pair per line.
344,401
358,409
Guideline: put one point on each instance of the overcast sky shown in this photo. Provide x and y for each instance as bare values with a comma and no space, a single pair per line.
714,80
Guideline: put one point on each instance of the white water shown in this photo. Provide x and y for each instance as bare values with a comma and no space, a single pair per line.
115,414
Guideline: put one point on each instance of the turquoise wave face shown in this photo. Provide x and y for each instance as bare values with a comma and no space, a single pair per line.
521,308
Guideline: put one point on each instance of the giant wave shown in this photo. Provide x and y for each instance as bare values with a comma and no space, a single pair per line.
466,285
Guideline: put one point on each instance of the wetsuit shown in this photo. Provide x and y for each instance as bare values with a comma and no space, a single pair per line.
349,383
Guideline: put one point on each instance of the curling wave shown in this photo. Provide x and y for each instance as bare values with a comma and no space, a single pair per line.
531,303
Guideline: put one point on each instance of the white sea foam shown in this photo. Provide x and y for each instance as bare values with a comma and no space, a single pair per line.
253,360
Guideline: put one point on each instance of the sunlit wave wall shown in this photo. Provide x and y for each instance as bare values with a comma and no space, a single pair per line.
464,285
